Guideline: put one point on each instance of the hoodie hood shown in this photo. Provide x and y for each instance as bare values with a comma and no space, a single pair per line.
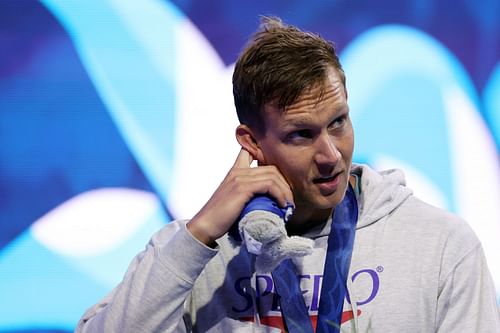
380,193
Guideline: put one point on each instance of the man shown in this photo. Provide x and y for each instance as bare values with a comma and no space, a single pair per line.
412,267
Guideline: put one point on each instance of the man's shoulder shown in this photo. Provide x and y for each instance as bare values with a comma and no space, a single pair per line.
408,210
450,228
425,211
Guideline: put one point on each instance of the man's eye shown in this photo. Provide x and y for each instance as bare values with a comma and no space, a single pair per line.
300,134
338,122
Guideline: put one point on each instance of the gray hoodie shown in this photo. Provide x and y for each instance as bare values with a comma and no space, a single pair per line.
414,268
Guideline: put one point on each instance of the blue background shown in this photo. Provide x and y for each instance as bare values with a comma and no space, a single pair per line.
61,136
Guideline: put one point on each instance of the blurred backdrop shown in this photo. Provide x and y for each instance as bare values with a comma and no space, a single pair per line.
116,117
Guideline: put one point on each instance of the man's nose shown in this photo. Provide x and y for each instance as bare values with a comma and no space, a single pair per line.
327,154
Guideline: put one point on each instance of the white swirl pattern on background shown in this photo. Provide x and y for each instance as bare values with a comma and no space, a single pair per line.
183,140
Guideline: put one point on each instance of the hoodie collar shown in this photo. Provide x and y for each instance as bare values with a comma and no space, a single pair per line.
381,193
378,194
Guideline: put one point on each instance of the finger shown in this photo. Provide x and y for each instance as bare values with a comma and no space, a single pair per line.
243,160
282,195
269,171
283,198
268,183
261,172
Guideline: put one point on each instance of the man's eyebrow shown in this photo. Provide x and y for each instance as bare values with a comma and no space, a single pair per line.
342,108
303,120
298,122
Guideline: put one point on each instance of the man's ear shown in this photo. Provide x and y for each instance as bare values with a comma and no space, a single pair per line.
248,140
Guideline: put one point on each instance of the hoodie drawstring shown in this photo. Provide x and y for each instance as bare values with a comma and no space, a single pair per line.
354,305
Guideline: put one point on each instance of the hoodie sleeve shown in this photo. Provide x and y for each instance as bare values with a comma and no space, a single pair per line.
152,294
467,301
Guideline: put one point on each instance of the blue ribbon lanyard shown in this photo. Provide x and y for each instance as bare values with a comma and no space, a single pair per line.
334,287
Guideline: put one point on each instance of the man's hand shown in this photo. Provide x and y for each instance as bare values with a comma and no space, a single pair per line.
240,185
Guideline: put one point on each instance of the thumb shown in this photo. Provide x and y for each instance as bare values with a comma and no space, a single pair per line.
243,160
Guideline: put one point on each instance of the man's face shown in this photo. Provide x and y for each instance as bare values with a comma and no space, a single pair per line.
312,143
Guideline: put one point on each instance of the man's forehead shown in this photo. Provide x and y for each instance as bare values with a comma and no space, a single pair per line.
303,114
321,97
321,94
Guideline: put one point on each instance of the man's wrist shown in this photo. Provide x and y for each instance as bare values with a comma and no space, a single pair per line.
200,234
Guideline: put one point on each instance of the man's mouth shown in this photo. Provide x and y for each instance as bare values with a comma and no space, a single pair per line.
328,185
328,179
